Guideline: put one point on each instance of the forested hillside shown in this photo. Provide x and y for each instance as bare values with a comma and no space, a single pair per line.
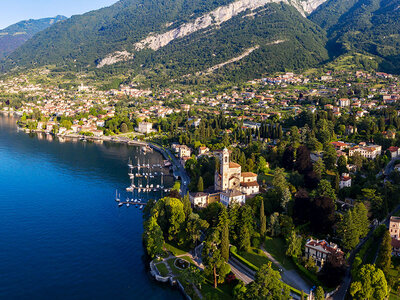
281,37
369,26
17,34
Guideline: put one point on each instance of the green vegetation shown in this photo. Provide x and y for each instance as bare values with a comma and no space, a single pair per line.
274,247
173,249
162,268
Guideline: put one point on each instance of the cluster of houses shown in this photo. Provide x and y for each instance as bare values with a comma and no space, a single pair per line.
394,230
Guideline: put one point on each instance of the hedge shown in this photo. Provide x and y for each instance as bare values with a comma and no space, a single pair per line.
233,251
310,276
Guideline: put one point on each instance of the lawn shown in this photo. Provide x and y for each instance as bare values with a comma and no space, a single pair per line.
276,247
174,269
394,297
162,268
222,292
256,257
174,249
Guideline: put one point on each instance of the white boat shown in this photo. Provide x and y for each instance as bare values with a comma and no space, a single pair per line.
129,189
116,196
120,204
141,207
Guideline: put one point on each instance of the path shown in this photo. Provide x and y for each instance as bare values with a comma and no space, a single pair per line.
290,277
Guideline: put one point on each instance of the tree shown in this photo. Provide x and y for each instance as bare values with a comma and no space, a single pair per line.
293,245
324,189
330,156
319,168
361,221
176,218
193,275
267,285
384,259
319,293
200,185
369,283
288,158
187,206
124,128
194,226
348,231
303,160
274,227
153,238
224,227
263,220
262,165
342,164
322,215
216,266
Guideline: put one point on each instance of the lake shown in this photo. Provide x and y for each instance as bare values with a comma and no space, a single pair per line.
62,236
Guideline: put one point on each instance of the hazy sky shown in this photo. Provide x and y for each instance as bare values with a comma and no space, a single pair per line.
13,11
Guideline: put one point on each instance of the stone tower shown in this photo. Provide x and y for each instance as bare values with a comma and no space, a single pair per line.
224,166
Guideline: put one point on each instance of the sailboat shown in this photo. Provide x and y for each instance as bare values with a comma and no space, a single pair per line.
116,196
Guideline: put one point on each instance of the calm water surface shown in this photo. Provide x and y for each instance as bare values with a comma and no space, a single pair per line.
61,234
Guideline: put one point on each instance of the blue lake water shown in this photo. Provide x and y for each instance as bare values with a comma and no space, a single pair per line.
62,235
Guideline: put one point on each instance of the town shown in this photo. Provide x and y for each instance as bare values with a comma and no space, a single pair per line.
294,176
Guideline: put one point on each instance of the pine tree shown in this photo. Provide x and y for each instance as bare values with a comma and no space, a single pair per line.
263,220
200,185
384,259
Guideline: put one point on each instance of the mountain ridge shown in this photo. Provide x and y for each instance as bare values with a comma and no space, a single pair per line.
17,34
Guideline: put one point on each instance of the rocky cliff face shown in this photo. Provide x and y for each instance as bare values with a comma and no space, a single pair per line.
215,18
219,16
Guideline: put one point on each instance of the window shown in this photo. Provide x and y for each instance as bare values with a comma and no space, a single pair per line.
226,159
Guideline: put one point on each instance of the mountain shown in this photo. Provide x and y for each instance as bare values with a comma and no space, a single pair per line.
15,35
181,37
366,26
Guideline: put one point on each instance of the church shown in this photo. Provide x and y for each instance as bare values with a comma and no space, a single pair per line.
230,178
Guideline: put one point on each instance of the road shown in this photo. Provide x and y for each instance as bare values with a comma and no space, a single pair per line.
342,291
290,277
179,170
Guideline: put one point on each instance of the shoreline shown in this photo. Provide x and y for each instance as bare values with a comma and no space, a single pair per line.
178,170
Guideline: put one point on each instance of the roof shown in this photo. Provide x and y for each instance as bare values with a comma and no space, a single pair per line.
345,178
248,174
323,246
393,149
199,194
234,165
395,219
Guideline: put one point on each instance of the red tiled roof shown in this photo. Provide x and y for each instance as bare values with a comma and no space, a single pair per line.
234,165
248,174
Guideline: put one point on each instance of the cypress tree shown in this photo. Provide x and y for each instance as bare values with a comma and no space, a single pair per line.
263,220
225,242
384,259
200,185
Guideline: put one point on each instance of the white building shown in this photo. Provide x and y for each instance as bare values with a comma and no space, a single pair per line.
345,181
370,152
145,127
321,250
231,197
199,199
